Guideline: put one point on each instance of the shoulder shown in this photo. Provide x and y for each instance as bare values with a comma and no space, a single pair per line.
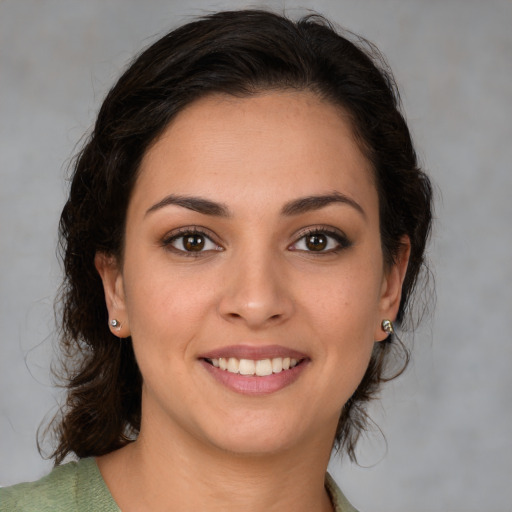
340,503
52,492
75,486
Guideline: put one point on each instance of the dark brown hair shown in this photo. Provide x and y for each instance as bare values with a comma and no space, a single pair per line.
236,53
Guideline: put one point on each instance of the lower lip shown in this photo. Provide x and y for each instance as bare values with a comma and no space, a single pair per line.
252,384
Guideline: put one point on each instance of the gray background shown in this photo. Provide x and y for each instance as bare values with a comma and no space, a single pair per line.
448,421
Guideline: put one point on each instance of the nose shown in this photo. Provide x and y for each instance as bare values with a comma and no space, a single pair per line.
256,293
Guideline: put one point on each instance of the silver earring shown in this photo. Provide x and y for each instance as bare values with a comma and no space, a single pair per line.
115,323
387,326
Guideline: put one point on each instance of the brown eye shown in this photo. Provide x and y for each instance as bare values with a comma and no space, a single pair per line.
316,242
321,241
193,243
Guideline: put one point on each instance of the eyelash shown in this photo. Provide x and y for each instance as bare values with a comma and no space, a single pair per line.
340,239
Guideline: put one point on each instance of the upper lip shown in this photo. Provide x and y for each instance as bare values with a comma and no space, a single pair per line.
254,352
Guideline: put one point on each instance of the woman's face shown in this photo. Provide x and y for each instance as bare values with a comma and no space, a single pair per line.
252,242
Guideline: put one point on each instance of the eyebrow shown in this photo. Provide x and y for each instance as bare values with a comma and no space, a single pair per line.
311,203
295,207
196,204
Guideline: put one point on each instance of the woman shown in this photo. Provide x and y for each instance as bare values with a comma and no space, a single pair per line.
244,225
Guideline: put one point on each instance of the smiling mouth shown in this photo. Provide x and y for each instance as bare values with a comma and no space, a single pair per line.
251,367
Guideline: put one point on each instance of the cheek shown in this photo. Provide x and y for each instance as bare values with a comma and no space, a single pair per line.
343,311
346,302
166,308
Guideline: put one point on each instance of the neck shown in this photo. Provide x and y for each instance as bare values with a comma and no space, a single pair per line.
178,472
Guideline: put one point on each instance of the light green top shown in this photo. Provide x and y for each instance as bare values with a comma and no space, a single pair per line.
72,487
79,487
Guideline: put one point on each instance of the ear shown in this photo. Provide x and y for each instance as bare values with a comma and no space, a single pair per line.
391,291
113,286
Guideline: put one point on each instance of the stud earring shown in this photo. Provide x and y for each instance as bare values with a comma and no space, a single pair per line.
116,324
387,326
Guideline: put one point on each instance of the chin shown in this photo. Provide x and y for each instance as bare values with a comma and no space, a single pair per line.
254,445
262,437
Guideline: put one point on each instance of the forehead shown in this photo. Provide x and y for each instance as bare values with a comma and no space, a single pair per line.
278,144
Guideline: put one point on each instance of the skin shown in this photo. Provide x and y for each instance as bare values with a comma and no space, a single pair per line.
256,283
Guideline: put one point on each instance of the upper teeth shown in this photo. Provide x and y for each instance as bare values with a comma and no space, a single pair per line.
260,367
